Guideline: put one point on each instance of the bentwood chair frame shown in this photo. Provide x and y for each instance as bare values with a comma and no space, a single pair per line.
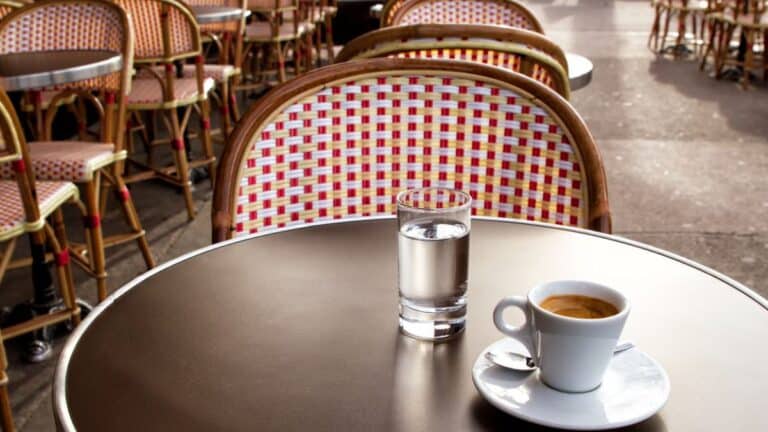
509,13
523,51
228,38
34,204
745,19
271,39
97,165
178,40
343,140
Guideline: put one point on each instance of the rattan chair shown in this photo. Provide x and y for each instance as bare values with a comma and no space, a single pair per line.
281,32
96,165
342,141
523,51
690,14
227,37
166,33
744,23
498,12
24,206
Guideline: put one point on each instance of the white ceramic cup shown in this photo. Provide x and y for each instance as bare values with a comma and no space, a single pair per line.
572,353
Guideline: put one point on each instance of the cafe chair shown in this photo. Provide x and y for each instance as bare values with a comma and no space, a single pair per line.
523,51
166,34
95,164
24,206
227,40
742,24
683,11
278,37
341,142
498,12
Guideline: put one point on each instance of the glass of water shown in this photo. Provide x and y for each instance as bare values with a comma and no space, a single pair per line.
433,261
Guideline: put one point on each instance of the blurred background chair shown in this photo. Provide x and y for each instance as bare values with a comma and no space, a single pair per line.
691,26
24,206
527,52
97,164
342,141
498,12
167,35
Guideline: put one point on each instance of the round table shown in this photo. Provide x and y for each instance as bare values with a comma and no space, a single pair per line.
298,330
206,14
579,70
32,70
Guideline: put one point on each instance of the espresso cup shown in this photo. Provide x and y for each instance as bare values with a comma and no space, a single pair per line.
572,354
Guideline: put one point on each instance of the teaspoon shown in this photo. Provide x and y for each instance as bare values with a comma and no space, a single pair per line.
520,362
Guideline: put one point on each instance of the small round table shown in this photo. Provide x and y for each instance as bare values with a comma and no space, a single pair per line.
298,330
33,70
579,70
206,14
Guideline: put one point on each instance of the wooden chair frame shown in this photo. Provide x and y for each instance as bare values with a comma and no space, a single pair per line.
260,114
178,173
534,49
394,10
110,106
41,233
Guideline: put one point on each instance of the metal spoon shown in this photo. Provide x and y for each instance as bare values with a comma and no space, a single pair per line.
520,362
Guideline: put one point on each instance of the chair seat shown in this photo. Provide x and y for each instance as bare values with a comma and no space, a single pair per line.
74,161
216,72
50,195
692,6
261,31
147,93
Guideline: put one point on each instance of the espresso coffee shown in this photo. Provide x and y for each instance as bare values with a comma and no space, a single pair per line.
579,306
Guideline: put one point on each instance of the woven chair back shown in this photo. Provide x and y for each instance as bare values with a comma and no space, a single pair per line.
523,51
54,25
498,12
165,30
342,141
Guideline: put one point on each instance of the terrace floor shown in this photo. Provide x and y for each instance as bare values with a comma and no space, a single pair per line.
686,158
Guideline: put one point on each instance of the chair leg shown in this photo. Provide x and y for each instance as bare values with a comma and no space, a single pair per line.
708,48
57,237
666,29
329,37
205,137
181,162
131,215
681,29
6,414
653,37
226,121
748,56
280,62
93,225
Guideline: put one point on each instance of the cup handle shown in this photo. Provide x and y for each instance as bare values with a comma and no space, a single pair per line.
521,333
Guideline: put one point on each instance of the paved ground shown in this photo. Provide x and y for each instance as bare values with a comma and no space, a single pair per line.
686,158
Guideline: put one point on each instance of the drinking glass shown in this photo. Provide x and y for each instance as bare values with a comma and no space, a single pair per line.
433,255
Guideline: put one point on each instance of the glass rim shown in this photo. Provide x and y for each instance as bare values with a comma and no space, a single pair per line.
401,204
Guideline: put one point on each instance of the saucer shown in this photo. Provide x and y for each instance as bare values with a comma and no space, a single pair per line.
634,388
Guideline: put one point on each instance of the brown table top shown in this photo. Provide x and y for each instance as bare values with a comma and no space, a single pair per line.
31,70
298,331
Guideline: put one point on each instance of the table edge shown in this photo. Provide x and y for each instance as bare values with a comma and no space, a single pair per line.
60,406
100,68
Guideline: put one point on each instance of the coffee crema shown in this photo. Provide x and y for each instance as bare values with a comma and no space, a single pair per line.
579,306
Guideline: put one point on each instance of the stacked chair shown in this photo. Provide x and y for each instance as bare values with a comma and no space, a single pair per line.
95,164
497,12
342,141
519,50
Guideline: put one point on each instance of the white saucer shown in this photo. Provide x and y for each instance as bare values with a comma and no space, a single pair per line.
635,387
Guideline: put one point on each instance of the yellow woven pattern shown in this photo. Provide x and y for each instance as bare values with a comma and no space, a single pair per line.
347,149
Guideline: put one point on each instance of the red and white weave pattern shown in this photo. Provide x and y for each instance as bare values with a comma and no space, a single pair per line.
466,12
12,216
74,161
346,150
146,16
